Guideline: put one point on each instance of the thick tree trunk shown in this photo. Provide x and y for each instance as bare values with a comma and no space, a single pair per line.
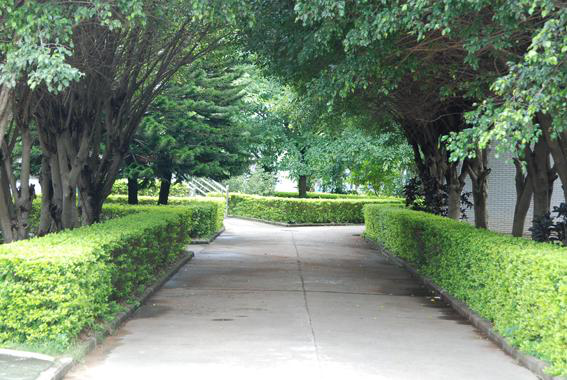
91,208
133,191
164,189
9,233
48,215
480,196
478,172
302,186
557,145
541,177
524,193
6,111
16,198
456,183
6,211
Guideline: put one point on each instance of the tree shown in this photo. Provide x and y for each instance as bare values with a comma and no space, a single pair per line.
256,181
526,113
422,63
191,130
85,131
34,50
297,136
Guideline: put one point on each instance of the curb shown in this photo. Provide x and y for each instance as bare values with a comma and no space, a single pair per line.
282,224
209,240
535,365
64,364
26,355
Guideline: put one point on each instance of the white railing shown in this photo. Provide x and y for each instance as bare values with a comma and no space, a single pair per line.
204,186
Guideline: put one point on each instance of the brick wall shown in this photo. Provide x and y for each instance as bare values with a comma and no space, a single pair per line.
502,195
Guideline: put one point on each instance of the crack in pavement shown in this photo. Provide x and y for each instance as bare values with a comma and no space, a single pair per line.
300,272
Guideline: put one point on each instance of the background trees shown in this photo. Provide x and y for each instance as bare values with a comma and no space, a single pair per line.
359,85
82,76
192,130
35,46
296,133
426,65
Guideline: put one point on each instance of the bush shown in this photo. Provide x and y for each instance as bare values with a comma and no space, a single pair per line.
517,284
54,287
120,187
295,210
292,194
207,220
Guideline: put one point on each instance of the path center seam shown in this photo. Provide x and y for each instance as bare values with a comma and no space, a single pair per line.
300,272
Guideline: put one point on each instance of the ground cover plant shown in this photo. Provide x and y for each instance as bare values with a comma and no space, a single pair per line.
517,284
300,210
57,286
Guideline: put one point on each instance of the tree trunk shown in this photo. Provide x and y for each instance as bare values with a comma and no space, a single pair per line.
16,198
302,186
91,207
558,148
541,177
478,172
133,191
524,193
164,189
455,186
48,215
9,233
6,111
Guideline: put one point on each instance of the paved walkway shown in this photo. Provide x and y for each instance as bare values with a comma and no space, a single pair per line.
266,302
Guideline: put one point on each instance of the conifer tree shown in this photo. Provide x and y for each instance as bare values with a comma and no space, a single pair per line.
192,130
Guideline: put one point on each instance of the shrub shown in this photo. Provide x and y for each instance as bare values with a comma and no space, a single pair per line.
548,228
517,284
53,287
292,194
120,187
295,210
208,219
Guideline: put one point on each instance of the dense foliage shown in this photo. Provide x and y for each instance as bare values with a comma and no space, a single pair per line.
451,76
192,129
56,286
302,211
518,285
330,152
77,79
256,182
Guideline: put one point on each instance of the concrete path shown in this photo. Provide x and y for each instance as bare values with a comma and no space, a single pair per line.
266,302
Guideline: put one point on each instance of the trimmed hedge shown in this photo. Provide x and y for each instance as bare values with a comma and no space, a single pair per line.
298,211
517,284
207,220
120,187
317,195
54,287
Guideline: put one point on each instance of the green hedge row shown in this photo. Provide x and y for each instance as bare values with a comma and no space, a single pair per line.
517,284
54,287
298,211
207,220
294,194
120,187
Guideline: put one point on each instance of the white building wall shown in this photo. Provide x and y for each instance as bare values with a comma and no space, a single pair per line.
502,195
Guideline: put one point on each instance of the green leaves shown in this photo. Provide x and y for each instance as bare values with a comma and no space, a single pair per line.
37,37
55,286
193,128
518,285
295,210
